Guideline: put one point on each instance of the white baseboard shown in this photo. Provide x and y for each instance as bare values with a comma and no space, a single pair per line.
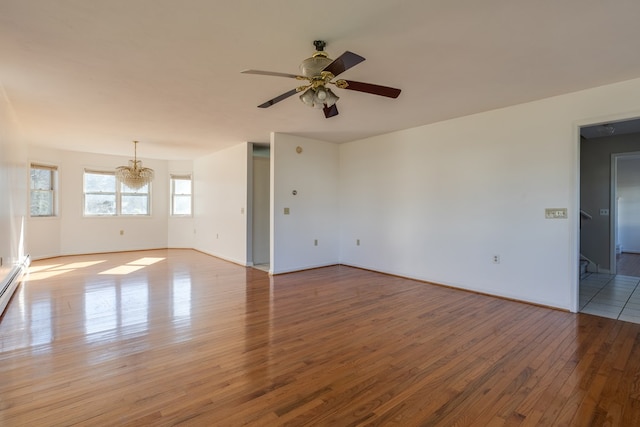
10,283
301,268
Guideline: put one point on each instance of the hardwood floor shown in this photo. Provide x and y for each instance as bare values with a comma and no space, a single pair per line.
175,337
628,264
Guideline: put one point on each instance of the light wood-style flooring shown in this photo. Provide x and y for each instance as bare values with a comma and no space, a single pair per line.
176,337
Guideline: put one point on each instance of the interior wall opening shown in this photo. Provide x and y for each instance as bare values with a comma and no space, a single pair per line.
609,267
260,232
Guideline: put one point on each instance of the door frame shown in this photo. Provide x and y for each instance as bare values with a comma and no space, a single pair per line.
612,209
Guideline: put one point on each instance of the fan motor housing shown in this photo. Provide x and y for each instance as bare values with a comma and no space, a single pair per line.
312,67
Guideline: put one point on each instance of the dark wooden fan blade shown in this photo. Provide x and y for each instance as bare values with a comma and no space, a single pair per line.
271,73
343,63
285,95
330,111
374,89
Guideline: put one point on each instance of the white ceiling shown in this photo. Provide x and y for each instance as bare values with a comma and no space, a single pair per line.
93,75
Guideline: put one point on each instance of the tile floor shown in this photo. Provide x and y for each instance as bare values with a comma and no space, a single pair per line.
616,297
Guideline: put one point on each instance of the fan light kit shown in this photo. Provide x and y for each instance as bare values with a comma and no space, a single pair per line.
134,176
320,71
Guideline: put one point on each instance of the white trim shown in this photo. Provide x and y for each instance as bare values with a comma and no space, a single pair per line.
9,285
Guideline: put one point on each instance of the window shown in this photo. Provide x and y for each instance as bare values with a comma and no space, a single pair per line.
99,193
180,195
43,190
104,196
134,202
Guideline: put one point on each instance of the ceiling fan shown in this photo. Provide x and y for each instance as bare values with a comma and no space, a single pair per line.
319,71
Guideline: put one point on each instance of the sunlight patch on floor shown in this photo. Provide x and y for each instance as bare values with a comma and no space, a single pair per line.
52,270
132,266
123,269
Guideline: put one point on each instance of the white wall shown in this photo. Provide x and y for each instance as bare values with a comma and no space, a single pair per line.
72,233
181,228
13,191
220,191
44,236
313,212
438,201
628,172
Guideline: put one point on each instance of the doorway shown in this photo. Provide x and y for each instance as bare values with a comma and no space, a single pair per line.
609,159
603,148
260,207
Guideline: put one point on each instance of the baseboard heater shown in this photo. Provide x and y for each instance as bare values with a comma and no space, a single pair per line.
10,283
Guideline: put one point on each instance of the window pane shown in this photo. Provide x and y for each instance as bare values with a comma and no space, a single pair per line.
182,186
41,179
100,204
99,183
182,205
106,195
42,195
41,203
181,194
135,205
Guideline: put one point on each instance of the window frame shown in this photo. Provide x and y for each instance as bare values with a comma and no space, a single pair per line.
172,193
121,192
85,193
118,193
53,189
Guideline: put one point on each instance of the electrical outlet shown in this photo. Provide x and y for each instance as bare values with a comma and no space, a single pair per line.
496,259
122,232
286,211
604,212
357,242
315,242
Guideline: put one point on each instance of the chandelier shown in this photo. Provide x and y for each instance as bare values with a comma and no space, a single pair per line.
134,176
